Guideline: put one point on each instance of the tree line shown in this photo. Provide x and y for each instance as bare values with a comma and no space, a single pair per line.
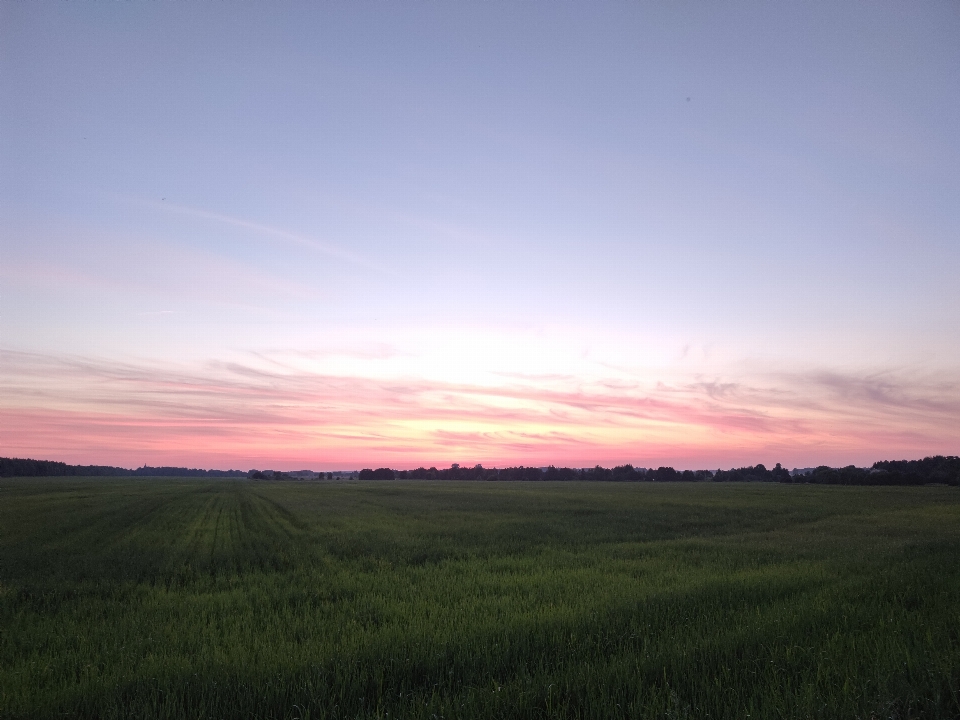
22,467
937,469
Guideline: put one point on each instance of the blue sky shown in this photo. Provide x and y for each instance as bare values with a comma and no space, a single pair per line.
530,198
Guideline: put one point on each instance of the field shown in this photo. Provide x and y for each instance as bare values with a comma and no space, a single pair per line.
199,599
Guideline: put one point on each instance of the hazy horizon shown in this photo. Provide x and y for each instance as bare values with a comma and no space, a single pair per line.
392,235
414,466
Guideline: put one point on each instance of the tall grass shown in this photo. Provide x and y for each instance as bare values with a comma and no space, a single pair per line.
227,599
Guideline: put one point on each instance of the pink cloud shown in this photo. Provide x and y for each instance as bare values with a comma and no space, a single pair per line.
242,415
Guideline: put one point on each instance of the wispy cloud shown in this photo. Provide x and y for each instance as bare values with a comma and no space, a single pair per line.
276,233
92,410
154,273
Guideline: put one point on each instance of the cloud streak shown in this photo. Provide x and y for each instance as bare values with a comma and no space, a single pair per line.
258,228
85,409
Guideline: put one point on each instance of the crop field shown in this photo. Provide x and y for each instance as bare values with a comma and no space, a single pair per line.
221,599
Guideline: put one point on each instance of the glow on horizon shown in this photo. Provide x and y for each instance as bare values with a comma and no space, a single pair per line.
270,411
346,236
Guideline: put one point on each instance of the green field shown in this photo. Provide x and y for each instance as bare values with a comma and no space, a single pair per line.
199,599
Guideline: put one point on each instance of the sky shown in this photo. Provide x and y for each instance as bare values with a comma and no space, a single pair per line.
360,234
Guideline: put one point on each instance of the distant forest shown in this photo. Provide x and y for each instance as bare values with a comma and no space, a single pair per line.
18,467
939,469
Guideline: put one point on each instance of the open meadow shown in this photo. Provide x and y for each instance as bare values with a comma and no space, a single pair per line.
241,599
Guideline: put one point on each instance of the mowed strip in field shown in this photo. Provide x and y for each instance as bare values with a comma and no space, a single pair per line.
186,599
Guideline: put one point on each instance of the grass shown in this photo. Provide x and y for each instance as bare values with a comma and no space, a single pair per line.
199,599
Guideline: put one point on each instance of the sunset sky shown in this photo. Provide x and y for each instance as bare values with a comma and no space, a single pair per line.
359,234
